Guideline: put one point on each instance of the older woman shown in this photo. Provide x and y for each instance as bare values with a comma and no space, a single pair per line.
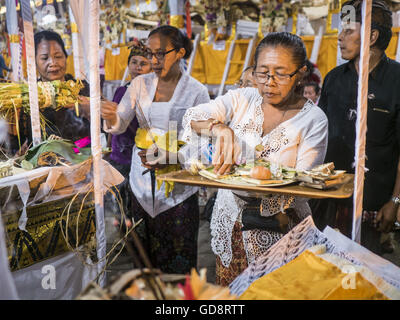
163,97
292,132
51,64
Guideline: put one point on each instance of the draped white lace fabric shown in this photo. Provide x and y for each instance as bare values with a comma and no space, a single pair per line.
161,117
299,142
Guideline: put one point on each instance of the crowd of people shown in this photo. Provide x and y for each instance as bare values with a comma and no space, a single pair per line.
279,105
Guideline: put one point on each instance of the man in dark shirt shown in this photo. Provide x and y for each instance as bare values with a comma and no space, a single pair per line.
339,101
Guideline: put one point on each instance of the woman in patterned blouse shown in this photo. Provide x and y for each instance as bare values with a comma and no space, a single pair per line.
292,131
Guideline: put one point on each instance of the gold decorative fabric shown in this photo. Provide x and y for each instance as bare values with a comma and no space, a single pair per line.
177,21
14,38
47,228
74,28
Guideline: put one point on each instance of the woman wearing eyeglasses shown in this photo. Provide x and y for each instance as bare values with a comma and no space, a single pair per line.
273,121
159,100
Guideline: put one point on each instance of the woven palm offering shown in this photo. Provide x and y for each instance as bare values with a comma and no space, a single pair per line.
14,97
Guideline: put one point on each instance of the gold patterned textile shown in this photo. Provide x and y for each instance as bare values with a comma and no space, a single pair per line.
177,21
14,38
74,28
47,228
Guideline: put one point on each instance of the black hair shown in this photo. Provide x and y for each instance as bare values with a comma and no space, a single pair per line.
177,38
381,20
248,68
49,36
314,85
286,40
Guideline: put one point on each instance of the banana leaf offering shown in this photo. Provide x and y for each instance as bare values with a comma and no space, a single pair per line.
54,152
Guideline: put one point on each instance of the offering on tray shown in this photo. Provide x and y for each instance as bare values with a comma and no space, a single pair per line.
265,173
258,172
321,177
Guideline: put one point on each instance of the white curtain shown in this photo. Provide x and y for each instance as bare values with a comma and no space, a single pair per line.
7,286
13,31
80,10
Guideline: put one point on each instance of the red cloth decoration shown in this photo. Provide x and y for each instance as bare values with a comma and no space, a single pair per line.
188,20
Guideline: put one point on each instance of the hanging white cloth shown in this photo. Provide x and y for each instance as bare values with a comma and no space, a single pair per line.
7,286
13,32
80,10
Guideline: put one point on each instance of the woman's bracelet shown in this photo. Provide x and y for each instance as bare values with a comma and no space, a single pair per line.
212,124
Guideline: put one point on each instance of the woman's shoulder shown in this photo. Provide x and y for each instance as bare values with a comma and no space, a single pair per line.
251,95
313,113
146,78
194,83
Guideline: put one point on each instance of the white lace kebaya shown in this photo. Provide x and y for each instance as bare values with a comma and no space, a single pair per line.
299,142
161,117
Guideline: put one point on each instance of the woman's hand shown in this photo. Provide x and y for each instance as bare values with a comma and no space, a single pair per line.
225,149
84,104
154,158
109,112
84,107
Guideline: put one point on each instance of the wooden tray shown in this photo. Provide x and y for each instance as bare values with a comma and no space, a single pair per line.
342,192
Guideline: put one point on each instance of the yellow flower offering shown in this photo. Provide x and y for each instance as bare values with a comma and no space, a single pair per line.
168,142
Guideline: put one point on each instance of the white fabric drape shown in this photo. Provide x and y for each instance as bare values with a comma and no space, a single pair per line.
7,286
94,78
80,10
361,124
317,45
31,71
13,31
79,63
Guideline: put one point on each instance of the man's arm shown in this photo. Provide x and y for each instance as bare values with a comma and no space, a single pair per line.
387,215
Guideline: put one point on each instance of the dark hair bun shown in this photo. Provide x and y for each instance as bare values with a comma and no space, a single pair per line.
286,40
177,38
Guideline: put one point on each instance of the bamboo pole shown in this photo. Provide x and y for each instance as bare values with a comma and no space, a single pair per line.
31,70
361,124
94,79
13,31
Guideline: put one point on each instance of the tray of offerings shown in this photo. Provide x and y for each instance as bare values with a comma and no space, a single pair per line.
320,182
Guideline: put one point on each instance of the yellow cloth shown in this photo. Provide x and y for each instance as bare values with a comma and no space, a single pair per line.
177,21
309,277
70,65
209,64
115,65
168,142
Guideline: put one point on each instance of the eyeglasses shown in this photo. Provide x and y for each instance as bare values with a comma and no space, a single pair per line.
160,55
263,77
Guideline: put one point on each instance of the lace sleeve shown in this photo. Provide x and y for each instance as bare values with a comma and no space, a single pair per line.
198,146
312,148
222,109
